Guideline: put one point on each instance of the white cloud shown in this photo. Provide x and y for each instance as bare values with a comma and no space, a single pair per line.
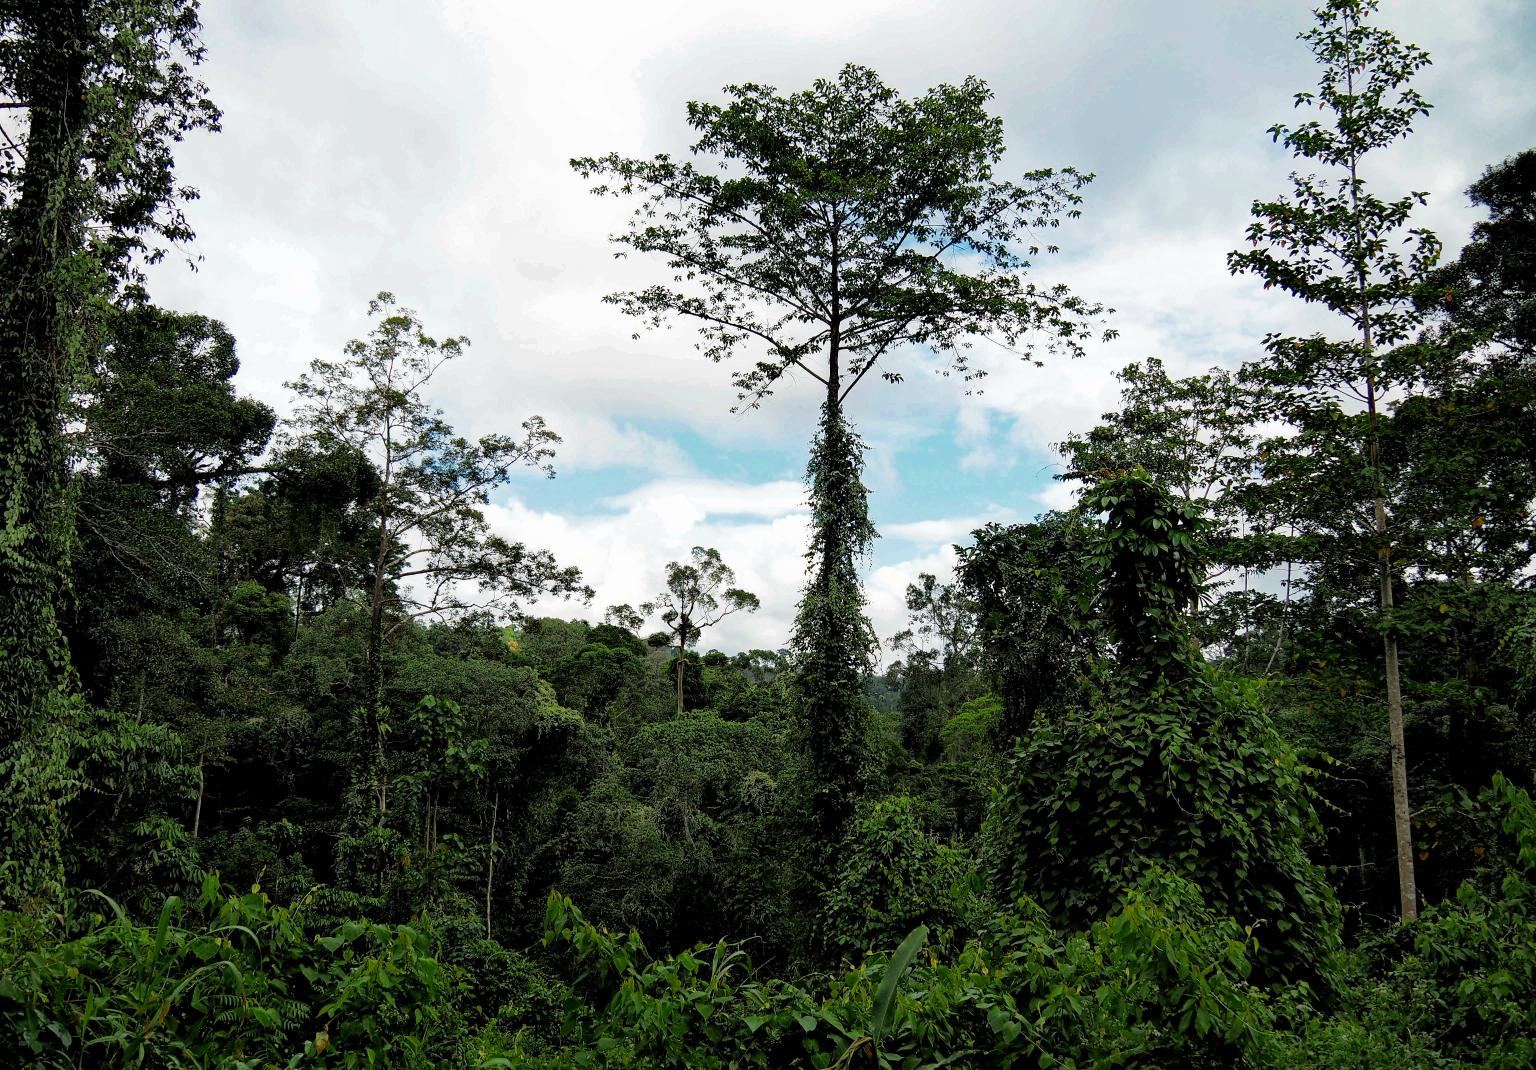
759,529
1058,496
715,497
423,148
946,530
886,590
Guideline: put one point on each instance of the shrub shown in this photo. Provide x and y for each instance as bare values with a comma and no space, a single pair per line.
892,877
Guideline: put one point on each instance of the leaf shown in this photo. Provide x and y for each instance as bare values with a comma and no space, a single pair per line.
885,996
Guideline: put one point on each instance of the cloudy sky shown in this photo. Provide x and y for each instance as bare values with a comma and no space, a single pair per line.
421,147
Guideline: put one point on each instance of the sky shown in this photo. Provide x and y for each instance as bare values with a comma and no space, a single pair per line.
422,148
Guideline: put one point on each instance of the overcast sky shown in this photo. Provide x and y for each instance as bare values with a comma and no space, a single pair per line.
421,147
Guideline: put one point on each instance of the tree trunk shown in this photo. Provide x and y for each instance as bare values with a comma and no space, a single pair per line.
490,863
373,741
1402,814
682,654
831,640
45,281
298,605
202,783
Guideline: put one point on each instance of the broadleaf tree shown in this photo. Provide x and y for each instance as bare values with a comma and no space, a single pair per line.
819,233
1027,583
434,554
1334,243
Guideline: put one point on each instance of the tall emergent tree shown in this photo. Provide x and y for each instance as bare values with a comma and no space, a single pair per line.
95,96
698,595
1336,244
434,554
830,228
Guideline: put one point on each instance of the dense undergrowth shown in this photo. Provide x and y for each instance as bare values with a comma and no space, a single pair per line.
231,979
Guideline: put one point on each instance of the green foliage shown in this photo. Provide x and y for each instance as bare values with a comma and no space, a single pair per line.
1455,988
1027,582
828,231
892,876
161,410
1338,245
698,595
433,551
826,237
427,519
1175,767
1188,775
1151,558
204,663
1185,432
225,980
677,839
972,726
1195,436
882,1012
1489,292
941,653
106,93
124,825
1159,983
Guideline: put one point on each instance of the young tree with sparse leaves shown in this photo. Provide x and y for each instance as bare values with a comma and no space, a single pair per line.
1195,436
434,554
1336,244
698,595
943,615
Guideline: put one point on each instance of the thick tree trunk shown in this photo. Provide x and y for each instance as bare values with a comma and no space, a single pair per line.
44,280
831,634
682,654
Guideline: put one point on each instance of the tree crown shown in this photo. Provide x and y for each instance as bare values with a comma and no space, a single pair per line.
846,219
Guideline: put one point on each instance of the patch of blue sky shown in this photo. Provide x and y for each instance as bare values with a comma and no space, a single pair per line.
913,481
931,479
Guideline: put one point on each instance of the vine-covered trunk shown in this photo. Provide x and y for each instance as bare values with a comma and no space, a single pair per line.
832,640
45,281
